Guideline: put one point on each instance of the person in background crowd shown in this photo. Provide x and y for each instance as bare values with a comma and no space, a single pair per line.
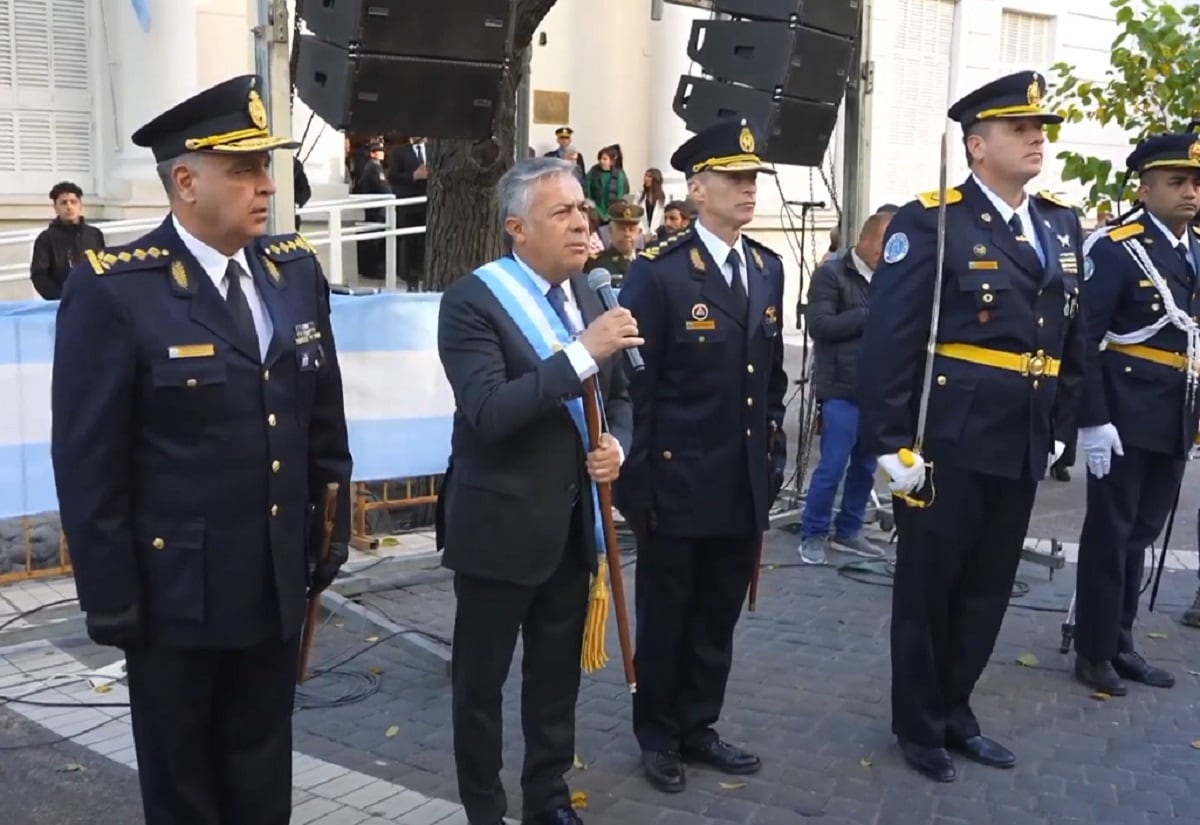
677,216
372,180
606,182
197,417
517,515
565,150
652,200
837,315
408,175
1138,415
62,244
835,245
708,452
1008,372
624,230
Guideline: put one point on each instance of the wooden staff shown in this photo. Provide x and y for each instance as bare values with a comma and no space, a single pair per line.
754,578
314,601
594,656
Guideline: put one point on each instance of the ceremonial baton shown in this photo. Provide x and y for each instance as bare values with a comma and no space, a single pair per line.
329,510
591,401
1162,559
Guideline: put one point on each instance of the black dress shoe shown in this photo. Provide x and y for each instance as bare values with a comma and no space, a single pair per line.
1133,667
1099,677
723,756
985,751
559,816
934,763
664,770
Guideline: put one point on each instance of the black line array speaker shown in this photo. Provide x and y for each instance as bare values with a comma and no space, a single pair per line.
430,68
782,64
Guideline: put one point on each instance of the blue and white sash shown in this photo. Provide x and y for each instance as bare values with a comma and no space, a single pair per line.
541,326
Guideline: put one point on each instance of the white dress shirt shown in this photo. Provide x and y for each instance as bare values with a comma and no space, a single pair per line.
585,366
214,264
1181,241
1022,212
720,253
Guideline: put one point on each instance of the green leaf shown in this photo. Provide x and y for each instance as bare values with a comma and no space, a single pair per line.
1028,660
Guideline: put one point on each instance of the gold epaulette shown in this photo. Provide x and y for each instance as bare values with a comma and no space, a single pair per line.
1055,199
930,199
666,245
287,247
759,246
1129,230
126,259
1196,229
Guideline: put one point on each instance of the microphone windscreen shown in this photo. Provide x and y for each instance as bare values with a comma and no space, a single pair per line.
599,278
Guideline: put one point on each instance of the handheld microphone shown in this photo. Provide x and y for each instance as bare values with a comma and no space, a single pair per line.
600,280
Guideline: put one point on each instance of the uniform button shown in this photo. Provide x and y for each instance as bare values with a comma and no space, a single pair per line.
1040,291
274,509
271,420
748,434
987,286
1041,322
941,380
1154,307
749,368
701,339
666,454
1129,369
275,465
749,402
1035,383
266,375
191,382
158,543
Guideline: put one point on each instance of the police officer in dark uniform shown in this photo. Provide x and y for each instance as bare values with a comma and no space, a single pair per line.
1138,415
625,225
197,417
563,135
373,180
1001,403
708,452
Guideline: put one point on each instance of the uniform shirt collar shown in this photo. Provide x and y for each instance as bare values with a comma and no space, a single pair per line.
1175,240
717,248
1006,211
211,261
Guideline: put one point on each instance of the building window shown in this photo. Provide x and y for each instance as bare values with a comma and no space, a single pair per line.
45,100
1026,42
912,81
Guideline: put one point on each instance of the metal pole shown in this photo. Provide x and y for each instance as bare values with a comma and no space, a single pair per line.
271,36
856,166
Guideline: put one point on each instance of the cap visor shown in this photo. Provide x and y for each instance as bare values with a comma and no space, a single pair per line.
255,144
1041,117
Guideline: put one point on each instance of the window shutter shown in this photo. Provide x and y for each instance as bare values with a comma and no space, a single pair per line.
46,129
1027,42
911,83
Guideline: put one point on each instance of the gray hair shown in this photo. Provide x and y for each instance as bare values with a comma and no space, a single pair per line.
514,193
166,169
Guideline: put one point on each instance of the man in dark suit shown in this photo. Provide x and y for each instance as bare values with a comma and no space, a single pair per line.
1138,415
197,417
708,452
1001,403
408,174
518,515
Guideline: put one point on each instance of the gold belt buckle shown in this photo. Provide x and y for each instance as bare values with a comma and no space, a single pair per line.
1034,365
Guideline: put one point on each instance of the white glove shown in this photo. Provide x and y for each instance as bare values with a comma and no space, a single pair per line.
1099,444
1060,447
904,479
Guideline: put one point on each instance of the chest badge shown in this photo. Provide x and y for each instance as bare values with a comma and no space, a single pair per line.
179,274
699,312
896,249
980,250
272,270
697,260
771,314
1065,240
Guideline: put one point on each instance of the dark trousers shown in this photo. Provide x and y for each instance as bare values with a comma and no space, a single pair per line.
213,733
688,600
842,457
956,561
1126,510
550,619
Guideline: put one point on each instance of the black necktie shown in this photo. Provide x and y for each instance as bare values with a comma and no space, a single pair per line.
1018,230
239,307
741,302
1183,256
558,300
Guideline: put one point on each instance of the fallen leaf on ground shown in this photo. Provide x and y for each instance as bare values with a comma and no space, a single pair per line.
392,731
389,541
372,638
103,689
71,767
733,786
864,762
580,765
1028,660
1196,744
339,624
1101,696
1193,673
579,800
378,671
1156,635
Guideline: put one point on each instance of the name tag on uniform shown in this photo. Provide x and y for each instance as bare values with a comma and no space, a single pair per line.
307,332
191,351
983,264
1146,282
695,325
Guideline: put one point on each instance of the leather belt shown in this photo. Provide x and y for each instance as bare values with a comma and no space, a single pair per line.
1174,360
1035,364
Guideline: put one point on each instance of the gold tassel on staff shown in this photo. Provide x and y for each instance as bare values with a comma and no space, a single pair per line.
594,631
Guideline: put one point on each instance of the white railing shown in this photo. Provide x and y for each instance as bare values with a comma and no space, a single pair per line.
335,234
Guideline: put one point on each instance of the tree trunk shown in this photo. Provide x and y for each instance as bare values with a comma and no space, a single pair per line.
462,228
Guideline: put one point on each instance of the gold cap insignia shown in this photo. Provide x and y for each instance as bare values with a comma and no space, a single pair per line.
746,140
772,314
697,260
179,274
699,312
258,112
1034,92
1194,151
